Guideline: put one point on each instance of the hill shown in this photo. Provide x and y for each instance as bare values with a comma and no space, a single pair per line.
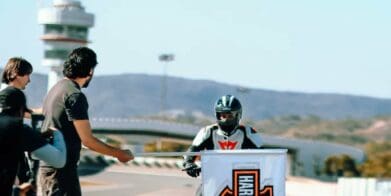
130,95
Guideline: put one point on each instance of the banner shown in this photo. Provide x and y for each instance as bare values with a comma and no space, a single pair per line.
243,172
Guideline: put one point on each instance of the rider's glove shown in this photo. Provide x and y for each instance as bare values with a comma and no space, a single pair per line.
192,169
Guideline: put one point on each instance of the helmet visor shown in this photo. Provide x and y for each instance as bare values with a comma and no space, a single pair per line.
223,116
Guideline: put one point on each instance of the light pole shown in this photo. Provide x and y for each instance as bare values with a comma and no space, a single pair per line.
165,58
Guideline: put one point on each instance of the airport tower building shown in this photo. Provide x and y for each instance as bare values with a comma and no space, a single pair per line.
66,25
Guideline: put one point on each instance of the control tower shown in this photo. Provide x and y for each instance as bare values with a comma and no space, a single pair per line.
66,27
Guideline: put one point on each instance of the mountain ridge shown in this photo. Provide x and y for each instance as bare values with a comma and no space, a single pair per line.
129,95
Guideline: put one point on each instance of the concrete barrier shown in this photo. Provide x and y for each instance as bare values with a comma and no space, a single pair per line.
363,187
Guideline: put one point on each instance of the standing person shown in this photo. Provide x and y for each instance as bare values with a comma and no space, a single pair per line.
65,108
16,74
15,138
226,134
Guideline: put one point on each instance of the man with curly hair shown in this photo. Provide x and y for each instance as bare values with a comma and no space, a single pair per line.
66,108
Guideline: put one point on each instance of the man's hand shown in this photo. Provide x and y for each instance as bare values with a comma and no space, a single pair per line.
192,169
124,155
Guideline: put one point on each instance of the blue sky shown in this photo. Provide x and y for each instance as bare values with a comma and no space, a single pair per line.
303,45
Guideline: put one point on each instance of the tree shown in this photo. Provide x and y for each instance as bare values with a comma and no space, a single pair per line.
341,165
378,163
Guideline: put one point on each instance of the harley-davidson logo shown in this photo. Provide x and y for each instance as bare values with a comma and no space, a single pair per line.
246,182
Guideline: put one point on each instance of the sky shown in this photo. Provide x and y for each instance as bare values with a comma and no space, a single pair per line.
305,46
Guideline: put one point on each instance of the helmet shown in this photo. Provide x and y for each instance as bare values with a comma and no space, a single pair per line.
228,113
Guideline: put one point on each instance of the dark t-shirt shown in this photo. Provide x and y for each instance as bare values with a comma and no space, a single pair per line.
65,103
14,140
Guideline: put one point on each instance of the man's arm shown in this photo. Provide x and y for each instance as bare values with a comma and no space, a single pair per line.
202,141
84,130
199,143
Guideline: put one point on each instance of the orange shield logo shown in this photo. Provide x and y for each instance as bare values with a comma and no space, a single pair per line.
246,182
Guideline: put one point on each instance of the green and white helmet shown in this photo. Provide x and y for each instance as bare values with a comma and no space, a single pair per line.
228,104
